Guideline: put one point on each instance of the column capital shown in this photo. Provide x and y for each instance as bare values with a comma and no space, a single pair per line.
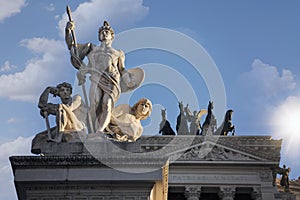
192,192
256,193
227,192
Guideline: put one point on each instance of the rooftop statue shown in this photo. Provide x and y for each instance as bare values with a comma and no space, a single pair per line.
182,125
107,71
210,124
284,181
69,113
125,122
194,120
227,125
165,126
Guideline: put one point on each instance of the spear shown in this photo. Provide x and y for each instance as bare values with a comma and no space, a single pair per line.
72,31
90,125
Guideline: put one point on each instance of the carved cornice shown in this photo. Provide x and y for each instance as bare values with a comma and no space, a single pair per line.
244,147
84,160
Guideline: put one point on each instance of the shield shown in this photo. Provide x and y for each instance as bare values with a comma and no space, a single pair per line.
134,78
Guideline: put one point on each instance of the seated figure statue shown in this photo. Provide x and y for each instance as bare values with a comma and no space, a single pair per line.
125,122
69,113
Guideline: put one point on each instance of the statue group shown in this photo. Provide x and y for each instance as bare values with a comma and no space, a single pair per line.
189,123
96,113
108,79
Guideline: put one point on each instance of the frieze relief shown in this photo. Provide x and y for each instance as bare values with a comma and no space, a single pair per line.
265,176
214,153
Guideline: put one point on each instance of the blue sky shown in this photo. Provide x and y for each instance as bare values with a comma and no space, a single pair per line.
254,45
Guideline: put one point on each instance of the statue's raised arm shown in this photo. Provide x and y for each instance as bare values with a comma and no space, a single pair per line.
69,119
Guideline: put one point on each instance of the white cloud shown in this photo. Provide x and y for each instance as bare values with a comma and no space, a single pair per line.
49,66
11,120
264,79
10,8
50,7
7,67
89,16
19,146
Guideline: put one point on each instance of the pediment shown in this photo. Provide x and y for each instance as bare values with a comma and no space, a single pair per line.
209,151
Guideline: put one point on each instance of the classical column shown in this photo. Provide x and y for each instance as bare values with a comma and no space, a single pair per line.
256,193
192,192
227,193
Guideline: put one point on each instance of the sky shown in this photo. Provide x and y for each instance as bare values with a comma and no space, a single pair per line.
243,55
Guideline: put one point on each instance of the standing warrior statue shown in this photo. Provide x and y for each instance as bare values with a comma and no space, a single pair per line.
107,73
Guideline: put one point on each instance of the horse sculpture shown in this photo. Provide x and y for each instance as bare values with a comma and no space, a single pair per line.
181,126
227,125
165,126
210,123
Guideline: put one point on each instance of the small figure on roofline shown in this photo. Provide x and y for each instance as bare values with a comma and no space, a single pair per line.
284,181
70,113
165,126
194,120
227,126
182,125
210,124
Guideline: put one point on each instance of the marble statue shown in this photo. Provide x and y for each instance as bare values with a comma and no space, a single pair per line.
165,126
194,120
182,125
210,124
107,71
125,120
69,113
227,125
